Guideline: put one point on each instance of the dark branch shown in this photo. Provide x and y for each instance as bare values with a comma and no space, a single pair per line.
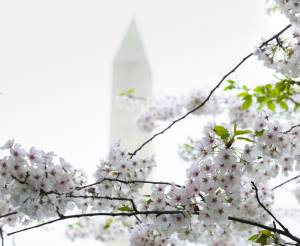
8,214
126,182
209,95
65,217
249,222
267,210
285,182
106,198
281,232
1,236
292,128
21,181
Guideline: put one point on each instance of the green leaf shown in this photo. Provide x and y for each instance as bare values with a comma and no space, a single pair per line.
125,208
221,131
247,102
261,237
232,85
271,105
108,224
253,237
115,173
266,232
234,127
261,99
297,106
284,105
187,147
259,133
243,94
242,132
260,90
245,88
128,92
246,139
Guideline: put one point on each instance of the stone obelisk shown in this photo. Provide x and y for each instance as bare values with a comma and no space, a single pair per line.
130,70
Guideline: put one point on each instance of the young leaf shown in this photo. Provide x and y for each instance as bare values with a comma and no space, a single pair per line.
242,132
284,105
247,102
246,139
108,224
188,148
253,237
128,92
262,237
232,85
259,133
221,131
125,208
271,105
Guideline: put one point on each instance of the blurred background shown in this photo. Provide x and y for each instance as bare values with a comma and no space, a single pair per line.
57,72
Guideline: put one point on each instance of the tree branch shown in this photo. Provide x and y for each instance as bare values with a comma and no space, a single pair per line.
65,217
1,236
267,210
285,182
8,214
289,130
281,232
106,198
126,182
209,95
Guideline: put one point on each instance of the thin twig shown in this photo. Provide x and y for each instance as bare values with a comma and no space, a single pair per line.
293,127
209,95
285,182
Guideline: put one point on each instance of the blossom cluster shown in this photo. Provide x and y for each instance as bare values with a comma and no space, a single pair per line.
30,180
221,166
283,53
37,187
99,228
291,8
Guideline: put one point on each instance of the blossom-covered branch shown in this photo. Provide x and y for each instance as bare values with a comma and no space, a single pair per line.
209,95
266,209
222,161
284,232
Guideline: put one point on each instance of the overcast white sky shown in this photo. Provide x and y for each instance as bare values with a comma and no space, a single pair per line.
56,66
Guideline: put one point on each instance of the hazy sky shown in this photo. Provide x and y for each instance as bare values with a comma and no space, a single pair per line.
56,66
